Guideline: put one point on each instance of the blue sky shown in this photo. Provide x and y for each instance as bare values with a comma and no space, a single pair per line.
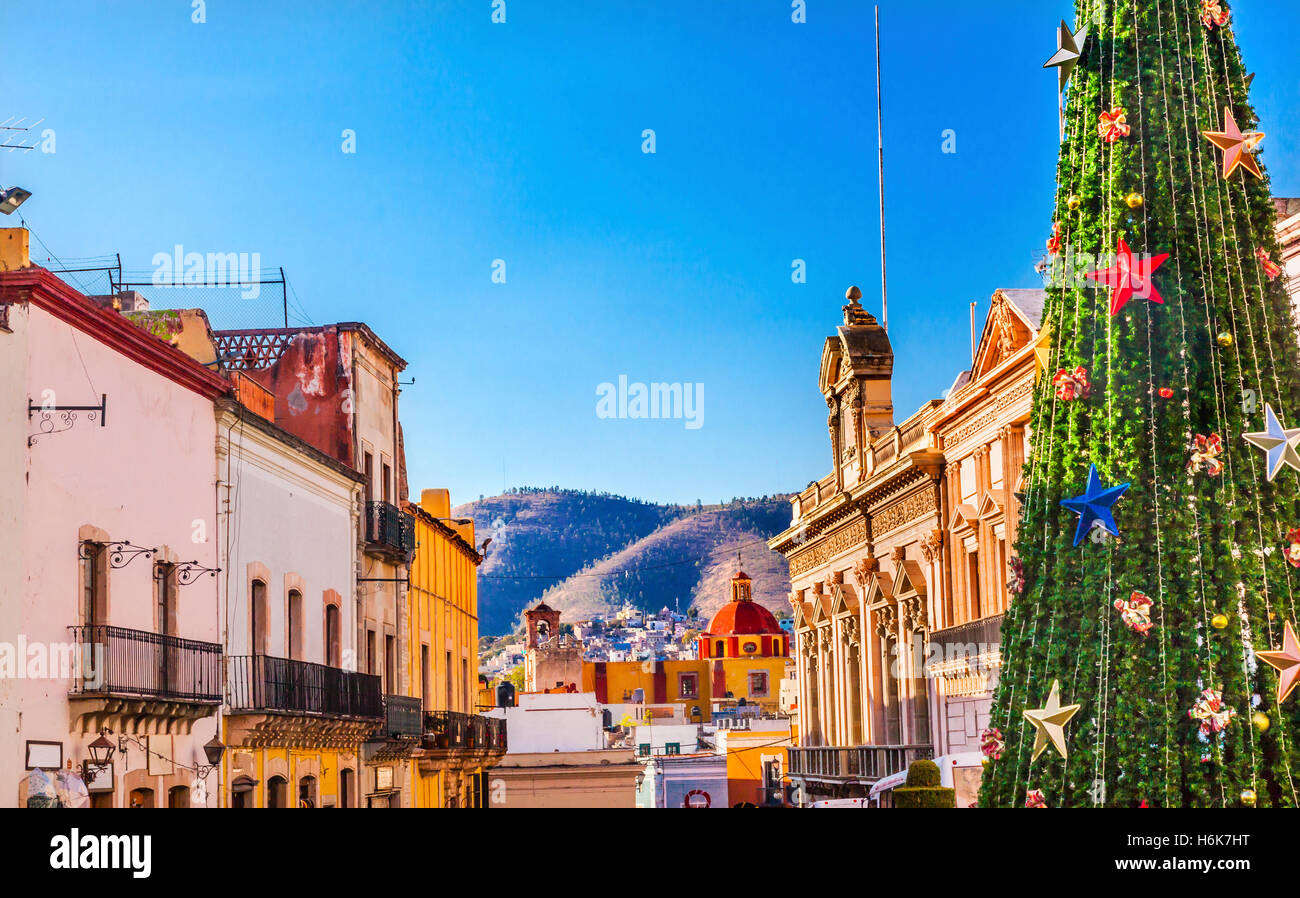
523,142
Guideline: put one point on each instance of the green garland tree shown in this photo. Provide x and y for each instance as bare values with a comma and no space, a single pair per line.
1202,536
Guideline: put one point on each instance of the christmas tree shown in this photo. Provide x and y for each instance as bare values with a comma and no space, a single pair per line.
1142,668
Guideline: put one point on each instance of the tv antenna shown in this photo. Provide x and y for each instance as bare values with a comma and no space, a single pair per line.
12,125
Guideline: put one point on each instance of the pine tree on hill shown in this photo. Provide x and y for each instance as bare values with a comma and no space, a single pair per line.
1162,368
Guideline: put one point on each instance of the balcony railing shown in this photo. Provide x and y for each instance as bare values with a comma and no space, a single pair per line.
118,661
859,762
267,683
389,529
968,640
450,730
403,717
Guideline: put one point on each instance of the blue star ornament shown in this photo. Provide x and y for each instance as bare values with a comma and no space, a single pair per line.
1278,443
1094,505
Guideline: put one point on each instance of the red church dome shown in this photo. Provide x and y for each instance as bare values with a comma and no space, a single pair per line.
742,616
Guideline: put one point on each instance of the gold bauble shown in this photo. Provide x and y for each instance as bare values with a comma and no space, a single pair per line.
1073,202
1224,338
1134,200
1248,797
1260,720
1219,621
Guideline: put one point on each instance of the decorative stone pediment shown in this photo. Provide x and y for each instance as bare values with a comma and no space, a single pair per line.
910,581
880,589
992,504
1006,330
964,518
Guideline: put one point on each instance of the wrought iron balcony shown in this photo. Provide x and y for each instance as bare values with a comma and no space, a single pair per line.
267,683
389,530
865,763
403,718
119,661
453,730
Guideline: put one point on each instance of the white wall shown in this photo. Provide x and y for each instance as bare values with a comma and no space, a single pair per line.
544,722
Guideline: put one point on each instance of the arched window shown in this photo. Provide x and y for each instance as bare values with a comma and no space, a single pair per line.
718,651
333,652
307,792
277,792
178,797
295,624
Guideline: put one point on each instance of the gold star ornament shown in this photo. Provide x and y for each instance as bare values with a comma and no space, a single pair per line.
1049,723
1287,663
1236,146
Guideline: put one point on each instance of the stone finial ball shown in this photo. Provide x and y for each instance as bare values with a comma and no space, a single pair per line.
853,294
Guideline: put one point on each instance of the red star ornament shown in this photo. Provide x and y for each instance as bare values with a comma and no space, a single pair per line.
1128,277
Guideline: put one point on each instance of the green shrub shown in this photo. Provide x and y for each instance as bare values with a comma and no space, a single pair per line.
923,789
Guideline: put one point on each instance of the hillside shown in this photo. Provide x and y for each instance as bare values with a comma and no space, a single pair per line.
588,553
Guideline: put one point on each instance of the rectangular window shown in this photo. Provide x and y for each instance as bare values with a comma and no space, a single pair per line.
385,487
390,664
758,683
973,575
464,680
165,594
371,661
260,628
93,580
673,748
995,464
643,750
426,686
688,685
450,683
368,469
332,653
968,485
295,625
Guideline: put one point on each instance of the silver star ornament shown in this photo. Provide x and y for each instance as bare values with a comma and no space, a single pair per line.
1069,49
1279,444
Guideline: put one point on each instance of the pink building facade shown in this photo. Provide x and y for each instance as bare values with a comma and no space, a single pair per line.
110,626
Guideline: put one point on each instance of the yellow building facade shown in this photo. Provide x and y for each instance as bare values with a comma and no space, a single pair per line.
458,744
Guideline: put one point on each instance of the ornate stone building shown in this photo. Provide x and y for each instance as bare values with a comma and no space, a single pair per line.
901,550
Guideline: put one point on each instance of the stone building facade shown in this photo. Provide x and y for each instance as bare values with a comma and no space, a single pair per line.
899,554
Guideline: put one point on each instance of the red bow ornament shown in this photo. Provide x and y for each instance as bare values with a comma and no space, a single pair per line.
1271,268
1213,13
1072,385
1054,242
1292,551
1205,455
1135,612
1112,125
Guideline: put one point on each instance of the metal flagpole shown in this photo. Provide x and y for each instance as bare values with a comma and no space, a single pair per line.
880,147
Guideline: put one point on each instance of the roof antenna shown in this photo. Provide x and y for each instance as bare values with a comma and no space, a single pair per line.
880,146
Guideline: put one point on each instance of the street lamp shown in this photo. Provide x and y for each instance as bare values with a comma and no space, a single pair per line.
101,755
214,749
12,198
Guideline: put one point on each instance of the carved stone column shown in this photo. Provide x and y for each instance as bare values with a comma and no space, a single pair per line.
833,425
